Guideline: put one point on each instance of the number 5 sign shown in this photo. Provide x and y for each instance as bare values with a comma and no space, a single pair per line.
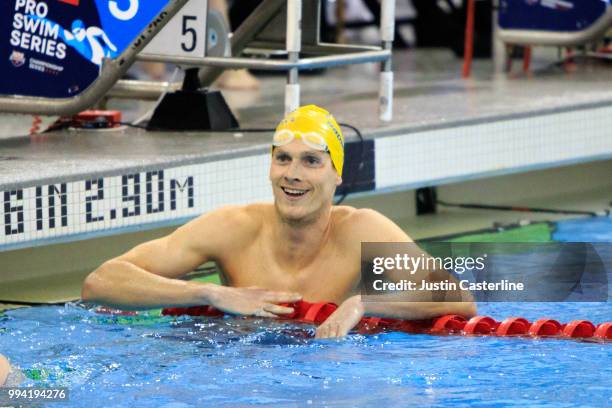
185,33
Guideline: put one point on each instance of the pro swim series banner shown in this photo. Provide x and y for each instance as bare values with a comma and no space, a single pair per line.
550,15
55,48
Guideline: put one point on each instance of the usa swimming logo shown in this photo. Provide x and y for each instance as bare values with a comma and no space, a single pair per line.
17,58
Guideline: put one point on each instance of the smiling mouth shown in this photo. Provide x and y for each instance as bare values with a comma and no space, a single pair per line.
293,193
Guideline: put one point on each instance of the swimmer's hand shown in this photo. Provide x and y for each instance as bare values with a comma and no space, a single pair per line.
252,301
339,323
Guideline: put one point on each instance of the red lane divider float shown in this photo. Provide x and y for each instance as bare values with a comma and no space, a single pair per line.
317,313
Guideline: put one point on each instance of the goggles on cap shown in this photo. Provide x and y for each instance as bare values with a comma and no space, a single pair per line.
310,139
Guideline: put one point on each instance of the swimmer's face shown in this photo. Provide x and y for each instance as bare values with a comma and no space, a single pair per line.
303,181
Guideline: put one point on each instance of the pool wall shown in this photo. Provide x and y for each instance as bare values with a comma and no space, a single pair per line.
54,272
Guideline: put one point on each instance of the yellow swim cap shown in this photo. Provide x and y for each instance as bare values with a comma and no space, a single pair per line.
311,119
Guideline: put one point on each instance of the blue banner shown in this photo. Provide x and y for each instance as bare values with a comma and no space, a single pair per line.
55,48
550,15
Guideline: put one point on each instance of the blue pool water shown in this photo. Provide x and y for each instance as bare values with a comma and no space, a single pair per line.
152,361
163,362
598,229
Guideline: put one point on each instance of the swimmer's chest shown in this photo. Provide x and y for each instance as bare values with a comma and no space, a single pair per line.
333,276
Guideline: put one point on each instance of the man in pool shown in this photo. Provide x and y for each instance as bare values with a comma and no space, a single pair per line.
301,246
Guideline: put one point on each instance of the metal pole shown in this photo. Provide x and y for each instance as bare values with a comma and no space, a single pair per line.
274,65
130,89
499,48
387,32
293,44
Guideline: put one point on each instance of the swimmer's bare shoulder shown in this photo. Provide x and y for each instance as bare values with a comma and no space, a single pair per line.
232,227
357,225
209,237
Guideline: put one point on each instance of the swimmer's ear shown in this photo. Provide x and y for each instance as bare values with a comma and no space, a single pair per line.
338,180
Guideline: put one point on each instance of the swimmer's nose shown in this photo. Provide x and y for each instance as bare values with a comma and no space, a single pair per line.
293,171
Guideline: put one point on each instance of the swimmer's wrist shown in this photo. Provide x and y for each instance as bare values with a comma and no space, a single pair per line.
356,303
204,293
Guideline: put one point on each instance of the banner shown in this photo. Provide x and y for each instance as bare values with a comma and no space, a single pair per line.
55,48
550,15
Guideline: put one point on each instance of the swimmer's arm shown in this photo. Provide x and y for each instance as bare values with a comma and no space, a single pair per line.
125,286
4,369
148,275
370,226
375,227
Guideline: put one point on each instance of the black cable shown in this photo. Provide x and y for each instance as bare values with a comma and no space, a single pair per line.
494,229
360,166
247,130
521,209
235,130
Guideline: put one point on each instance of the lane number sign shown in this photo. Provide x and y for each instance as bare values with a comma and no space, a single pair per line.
185,33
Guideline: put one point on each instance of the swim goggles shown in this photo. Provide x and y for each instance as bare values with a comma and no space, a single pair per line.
311,139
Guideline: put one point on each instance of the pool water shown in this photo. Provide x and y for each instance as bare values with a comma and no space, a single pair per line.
163,362
153,361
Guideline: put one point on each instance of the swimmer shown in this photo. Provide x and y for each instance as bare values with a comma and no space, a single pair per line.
299,246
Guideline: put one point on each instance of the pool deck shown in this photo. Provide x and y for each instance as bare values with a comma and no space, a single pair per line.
430,96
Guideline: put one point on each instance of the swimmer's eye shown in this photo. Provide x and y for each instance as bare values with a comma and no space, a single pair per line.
310,160
282,158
